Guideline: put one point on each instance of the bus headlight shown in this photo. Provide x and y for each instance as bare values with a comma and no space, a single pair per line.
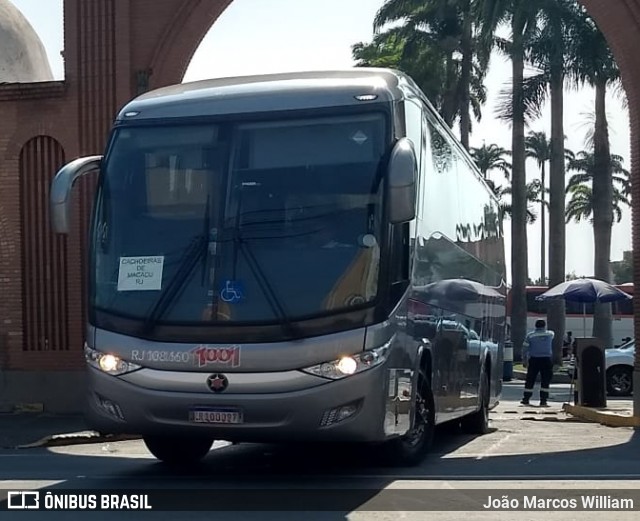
108,363
350,365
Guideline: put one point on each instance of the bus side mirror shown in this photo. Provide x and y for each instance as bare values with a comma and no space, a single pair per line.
403,172
61,187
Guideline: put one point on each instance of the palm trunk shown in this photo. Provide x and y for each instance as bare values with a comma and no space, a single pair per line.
557,246
448,101
602,211
519,198
465,79
543,227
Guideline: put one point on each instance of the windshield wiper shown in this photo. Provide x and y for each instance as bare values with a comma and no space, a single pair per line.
189,260
266,287
197,249
241,245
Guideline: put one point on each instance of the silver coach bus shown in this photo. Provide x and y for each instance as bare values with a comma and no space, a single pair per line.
292,257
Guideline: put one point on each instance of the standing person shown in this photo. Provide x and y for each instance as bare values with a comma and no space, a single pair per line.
537,358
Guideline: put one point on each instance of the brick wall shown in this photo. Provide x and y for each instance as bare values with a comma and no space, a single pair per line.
113,50
29,110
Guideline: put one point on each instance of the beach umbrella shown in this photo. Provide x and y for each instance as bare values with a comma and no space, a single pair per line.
464,290
585,291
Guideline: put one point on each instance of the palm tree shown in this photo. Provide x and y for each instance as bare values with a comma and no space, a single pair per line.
594,64
505,208
385,50
534,196
546,50
423,60
397,50
581,204
491,157
448,27
466,66
538,148
522,18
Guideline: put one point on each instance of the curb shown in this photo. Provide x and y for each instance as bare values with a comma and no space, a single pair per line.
558,378
541,415
602,417
77,438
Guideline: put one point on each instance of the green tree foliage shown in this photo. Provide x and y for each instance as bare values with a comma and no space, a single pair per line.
491,157
435,42
623,270
579,188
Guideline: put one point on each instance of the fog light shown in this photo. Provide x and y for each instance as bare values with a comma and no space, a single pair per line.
111,408
347,365
346,411
338,414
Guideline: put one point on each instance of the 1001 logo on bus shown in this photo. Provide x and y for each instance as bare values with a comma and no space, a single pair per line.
217,355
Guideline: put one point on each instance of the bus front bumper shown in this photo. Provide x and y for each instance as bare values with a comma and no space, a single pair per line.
358,408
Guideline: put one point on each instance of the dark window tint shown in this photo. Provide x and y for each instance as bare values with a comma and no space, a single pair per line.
624,307
533,305
241,223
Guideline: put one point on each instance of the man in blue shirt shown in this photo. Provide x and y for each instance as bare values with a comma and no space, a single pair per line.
537,356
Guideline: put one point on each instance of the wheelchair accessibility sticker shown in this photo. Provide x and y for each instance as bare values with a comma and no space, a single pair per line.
231,291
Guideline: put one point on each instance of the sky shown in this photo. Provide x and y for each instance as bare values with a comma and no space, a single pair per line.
263,36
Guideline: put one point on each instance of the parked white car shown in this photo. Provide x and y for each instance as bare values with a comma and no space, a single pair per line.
619,367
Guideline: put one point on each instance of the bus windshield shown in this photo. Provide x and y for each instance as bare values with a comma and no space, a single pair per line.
251,223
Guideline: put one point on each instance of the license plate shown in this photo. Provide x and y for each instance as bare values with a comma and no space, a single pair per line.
224,416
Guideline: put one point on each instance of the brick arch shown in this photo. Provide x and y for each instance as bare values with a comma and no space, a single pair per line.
620,23
45,298
191,22
26,133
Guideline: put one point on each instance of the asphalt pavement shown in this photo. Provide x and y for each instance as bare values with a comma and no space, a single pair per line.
24,428
527,448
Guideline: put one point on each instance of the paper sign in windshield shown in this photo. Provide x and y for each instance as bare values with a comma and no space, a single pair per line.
140,273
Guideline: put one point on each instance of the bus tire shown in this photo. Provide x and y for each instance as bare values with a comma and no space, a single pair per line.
178,451
478,422
411,448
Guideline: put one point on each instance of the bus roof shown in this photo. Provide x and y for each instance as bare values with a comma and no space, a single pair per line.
272,92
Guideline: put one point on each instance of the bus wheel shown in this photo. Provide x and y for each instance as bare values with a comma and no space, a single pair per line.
178,451
478,422
411,448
